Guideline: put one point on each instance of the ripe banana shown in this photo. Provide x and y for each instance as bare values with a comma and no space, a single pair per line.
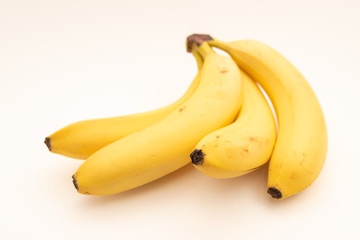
81,139
301,145
164,147
242,146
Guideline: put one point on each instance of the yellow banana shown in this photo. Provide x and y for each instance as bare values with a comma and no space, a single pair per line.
242,146
301,145
81,139
164,147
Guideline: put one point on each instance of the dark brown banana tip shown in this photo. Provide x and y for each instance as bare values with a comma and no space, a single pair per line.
75,183
198,39
48,143
275,193
197,157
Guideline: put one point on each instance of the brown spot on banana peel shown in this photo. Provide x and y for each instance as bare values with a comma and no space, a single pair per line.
181,109
223,71
198,39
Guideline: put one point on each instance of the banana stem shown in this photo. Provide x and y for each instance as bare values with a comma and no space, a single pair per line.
198,43
198,39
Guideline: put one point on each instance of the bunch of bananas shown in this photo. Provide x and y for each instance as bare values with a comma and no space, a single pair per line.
223,124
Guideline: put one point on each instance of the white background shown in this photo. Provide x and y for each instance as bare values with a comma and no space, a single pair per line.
64,61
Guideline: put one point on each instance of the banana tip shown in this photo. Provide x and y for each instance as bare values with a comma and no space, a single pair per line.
48,143
75,183
275,193
197,157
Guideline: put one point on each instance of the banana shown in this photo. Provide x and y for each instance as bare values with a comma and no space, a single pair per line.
242,146
164,147
81,139
301,146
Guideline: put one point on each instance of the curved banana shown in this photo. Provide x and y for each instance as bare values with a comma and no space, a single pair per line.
81,139
301,145
242,146
164,147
